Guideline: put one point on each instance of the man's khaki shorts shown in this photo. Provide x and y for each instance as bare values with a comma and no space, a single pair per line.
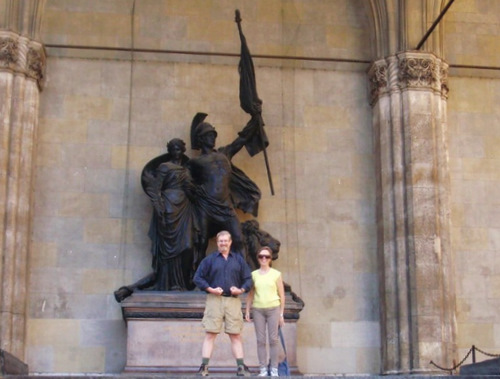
220,309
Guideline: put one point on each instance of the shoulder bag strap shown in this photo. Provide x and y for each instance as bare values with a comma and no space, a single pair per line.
282,339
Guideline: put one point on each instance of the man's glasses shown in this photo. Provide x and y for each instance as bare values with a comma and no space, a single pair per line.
260,256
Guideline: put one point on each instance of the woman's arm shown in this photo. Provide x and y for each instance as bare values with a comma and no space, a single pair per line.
281,293
249,303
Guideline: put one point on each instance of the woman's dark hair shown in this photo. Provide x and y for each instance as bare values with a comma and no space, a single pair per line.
267,248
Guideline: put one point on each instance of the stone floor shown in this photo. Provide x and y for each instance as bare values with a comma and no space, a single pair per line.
164,376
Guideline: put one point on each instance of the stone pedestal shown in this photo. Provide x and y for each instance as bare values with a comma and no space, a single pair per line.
487,367
165,335
10,365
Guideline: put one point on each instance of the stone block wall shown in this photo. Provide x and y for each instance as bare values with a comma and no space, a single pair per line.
471,39
337,29
472,33
475,166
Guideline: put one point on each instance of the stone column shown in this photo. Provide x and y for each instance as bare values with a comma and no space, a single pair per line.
417,299
22,64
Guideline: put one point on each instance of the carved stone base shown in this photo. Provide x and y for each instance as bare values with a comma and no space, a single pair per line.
164,334
10,365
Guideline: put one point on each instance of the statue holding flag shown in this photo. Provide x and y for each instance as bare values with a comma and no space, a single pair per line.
225,186
206,192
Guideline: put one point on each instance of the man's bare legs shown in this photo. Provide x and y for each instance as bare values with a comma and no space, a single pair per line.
208,345
206,352
237,349
209,341
236,345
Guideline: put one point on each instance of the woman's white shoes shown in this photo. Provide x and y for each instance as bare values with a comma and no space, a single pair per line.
263,371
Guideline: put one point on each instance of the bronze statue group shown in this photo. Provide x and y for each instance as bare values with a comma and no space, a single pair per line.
192,200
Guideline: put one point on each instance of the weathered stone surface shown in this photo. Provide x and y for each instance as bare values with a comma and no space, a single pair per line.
417,288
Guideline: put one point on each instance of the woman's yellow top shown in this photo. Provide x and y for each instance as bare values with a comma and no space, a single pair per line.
266,289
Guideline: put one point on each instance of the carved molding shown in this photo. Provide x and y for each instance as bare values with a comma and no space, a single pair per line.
423,71
443,75
417,72
377,76
186,305
178,314
35,65
408,71
9,53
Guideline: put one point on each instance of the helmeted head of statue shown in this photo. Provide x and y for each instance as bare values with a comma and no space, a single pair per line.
204,128
201,131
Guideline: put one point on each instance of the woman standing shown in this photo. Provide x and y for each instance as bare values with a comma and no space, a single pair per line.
268,298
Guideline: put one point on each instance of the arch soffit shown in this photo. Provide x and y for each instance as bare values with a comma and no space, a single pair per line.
399,25
23,17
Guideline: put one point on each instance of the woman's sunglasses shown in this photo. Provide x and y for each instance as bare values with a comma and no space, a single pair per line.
260,256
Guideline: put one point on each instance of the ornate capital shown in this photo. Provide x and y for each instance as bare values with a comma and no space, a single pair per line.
443,75
377,76
408,71
9,52
417,72
22,56
35,65
422,71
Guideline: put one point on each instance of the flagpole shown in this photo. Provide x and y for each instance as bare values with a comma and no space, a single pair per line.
259,119
266,160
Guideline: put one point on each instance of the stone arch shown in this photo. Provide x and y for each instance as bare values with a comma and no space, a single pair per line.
23,17
400,25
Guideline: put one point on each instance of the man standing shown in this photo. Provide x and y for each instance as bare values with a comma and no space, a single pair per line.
224,275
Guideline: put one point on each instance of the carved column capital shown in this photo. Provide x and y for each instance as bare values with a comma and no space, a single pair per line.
418,70
23,56
9,52
443,76
408,71
36,64
377,76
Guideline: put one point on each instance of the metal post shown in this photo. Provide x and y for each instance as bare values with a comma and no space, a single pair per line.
434,24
